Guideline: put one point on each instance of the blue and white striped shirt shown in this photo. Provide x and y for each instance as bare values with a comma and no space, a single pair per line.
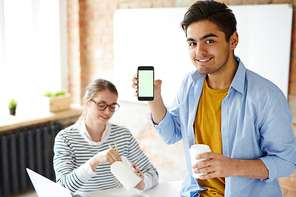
73,148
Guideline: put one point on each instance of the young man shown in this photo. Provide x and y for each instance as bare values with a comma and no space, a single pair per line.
244,118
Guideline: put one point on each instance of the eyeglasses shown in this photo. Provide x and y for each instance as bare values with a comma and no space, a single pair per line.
102,106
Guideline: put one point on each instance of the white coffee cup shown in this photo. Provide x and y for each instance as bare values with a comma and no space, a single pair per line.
195,150
124,172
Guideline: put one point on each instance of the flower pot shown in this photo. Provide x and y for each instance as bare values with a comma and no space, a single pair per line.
57,103
12,111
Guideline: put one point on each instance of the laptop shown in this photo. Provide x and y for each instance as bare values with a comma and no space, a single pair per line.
45,187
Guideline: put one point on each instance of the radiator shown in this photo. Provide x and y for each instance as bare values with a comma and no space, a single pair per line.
30,147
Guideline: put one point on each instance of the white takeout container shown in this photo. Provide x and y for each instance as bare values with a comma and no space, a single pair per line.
124,172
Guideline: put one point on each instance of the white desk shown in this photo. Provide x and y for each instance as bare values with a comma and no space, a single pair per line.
168,189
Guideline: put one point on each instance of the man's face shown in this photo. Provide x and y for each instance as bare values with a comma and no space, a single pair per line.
207,47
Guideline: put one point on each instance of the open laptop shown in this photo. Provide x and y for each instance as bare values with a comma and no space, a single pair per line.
45,187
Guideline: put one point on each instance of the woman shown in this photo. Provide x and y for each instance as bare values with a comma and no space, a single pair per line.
82,154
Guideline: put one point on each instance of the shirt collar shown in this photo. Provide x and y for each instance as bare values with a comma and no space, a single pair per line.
237,83
84,133
196,75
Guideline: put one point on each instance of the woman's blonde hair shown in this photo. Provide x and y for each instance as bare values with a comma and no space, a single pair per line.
93,88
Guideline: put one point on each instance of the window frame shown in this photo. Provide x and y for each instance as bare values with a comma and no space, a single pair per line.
63,43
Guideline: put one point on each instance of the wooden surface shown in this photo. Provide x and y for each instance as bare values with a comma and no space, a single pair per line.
9,122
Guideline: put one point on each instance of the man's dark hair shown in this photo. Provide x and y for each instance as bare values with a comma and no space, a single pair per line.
212,11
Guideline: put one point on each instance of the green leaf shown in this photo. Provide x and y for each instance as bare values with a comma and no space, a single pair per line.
12,103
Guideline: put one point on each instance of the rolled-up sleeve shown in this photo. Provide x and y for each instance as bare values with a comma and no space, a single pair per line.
278,139
168,129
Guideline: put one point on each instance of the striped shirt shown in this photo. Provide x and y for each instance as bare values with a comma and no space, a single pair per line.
73,148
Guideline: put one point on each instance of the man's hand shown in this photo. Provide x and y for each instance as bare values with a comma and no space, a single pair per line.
157,107
157,87
219,165
135,84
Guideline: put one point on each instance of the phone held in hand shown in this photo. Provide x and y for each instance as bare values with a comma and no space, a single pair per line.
145,83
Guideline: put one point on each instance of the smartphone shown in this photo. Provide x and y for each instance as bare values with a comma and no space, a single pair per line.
145,83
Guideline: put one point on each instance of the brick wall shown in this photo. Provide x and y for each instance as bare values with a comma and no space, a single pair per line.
73,50
90,31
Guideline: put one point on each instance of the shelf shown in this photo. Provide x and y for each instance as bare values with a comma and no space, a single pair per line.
9,122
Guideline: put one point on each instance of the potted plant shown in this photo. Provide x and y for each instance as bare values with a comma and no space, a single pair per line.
57,101
12,106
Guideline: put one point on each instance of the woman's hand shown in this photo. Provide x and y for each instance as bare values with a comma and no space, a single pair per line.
138,172
107,156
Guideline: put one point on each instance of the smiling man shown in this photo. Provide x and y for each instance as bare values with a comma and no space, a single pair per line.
244,118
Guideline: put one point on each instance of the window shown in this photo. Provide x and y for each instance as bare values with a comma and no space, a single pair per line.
30,50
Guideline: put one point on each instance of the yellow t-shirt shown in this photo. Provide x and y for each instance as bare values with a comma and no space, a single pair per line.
207,127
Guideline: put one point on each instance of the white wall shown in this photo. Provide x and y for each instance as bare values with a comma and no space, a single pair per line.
154,37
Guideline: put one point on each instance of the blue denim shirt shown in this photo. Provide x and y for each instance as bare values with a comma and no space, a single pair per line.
255,124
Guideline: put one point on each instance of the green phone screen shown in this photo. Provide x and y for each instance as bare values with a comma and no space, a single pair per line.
146,83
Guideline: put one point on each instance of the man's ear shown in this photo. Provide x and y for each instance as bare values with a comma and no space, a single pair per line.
233,41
